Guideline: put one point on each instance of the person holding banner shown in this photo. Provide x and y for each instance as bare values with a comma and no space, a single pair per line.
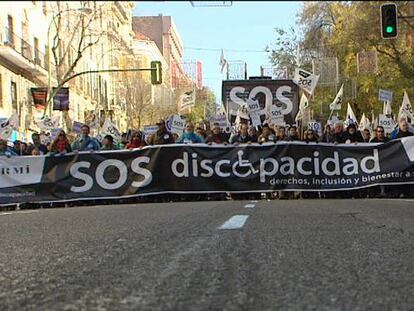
254,134
339,136
281,133
189,137
201,133
293,134
84,142
352,135
366,135
328,135
37,145
267,135
135,141
123,142
61,144
402,130
20,148
216,136
380,136
161,136
108,143
310,136
5,150
242,137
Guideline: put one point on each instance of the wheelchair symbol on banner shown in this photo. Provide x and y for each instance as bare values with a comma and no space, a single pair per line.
243,163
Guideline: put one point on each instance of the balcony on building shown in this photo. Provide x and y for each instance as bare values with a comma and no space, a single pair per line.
19,53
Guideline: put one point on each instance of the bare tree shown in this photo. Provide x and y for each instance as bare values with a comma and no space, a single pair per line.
73,35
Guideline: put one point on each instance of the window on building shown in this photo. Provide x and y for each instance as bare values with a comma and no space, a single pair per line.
44,7
1,91
13,92
36,51
10,30
26,48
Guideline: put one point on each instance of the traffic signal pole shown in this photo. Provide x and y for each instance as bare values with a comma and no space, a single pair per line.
154,71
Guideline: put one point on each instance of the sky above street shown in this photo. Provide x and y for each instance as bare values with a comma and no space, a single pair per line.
242,30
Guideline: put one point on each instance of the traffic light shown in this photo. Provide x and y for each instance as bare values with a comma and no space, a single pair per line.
389,20
156,72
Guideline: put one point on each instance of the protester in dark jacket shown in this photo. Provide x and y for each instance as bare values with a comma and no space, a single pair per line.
339,135
161,136
281,133
242,137
6,150
328,135
310,136
380,136
366,135
267,135
293,134
253,133
352,135
37,145
402,130
20,148
108,143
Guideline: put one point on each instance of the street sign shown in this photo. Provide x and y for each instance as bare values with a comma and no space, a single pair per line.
385,96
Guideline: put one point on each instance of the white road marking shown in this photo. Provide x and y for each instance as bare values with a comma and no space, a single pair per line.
254,201
18,212
401,200
250,206
235,222
3,214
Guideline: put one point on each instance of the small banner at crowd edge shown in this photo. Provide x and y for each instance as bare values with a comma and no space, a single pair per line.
39,95
61,99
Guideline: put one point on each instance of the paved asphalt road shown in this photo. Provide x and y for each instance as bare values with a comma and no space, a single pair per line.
289,255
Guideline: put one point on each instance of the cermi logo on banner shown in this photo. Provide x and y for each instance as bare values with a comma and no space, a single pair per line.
281,93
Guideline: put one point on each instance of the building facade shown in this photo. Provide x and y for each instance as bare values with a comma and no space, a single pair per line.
162,30
45,43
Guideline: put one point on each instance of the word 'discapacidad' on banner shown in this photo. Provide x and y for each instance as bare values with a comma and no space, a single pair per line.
201,168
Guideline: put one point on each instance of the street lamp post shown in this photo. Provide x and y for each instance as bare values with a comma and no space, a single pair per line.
85,11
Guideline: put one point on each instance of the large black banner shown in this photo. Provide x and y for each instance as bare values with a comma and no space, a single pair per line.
202,168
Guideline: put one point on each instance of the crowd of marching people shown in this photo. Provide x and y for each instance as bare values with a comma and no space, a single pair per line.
336,133
202,133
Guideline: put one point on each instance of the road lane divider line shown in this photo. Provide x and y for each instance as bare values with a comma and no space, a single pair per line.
18,212
3,214
254,201
234,222
250,206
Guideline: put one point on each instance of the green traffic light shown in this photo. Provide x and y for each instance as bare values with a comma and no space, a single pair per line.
389,29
